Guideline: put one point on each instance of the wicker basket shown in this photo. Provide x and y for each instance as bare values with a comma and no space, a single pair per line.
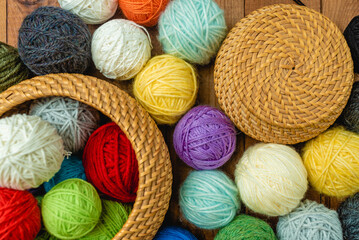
155,172
283,74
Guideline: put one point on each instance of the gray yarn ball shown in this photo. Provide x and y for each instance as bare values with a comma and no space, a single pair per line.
310,220
350,115
349,216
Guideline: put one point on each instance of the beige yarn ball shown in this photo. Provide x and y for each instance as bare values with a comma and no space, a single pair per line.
31,152
271,179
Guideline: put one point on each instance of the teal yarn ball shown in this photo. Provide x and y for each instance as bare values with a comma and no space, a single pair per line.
245,227
71,209
71,167
192,30
209,199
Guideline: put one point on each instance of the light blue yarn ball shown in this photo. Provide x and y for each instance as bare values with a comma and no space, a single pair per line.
192,30
209,199
174,233
70,168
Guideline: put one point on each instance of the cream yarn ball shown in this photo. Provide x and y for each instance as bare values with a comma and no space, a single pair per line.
31,152
271,179
91,11
120,48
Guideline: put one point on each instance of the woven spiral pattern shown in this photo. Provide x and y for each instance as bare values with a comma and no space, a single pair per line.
155,171
283,74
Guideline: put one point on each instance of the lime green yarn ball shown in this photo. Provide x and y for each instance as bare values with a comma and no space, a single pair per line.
113,217
71,209
246,227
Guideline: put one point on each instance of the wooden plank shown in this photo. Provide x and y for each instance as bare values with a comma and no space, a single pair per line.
341,12
3,15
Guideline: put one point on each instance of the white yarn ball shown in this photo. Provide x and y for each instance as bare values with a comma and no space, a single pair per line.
91,11
271,179
120,49
31,152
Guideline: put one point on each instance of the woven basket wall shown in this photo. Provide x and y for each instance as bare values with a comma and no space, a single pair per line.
155,172
283,74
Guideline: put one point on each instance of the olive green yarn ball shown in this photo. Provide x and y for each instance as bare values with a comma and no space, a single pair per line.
246,227
71,209
113,217
12,69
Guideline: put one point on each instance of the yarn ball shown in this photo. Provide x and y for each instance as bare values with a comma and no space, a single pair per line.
204,138
71,168
174,233
331,160
53,40
271,179
167,88
31,152
120,49
350,114
19,215
244,227
12,69
351,34
113,217
209,199
71,209
310,220
143,12
192,30
349,217
91,11
74,121
110,163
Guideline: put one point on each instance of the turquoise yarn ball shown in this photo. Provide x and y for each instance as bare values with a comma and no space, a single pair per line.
192,30
70,168
209,199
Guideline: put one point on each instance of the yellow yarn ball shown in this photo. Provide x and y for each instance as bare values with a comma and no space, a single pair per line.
166,87
332,162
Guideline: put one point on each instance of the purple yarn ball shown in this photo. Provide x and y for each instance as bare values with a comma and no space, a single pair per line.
204,138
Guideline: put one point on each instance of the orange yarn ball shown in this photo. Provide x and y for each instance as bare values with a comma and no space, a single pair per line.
143,12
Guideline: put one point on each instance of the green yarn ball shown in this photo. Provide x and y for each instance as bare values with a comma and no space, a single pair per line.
246,227
113,217
12,69
71,209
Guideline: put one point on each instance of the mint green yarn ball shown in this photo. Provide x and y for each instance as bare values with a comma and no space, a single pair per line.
245,227
192,30
71,209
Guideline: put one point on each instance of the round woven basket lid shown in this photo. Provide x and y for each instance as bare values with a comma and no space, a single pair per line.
283,74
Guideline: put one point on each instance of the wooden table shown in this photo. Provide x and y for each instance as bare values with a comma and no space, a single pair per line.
341,12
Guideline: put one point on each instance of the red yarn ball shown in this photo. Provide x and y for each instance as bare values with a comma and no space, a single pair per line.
20,216
110,163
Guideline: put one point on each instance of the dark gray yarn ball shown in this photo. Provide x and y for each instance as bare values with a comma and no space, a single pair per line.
53,40
350,115
351,34
349,216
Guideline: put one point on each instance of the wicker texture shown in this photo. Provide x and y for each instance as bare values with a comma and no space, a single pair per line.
155,171
283,74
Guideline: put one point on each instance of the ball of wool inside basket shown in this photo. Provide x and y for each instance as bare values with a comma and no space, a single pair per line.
12,69
192,29
110,163
244,227
74,121
71,209
349,217
331,160
351,34
350,115
167,88
310,220
91,11
143,12
53,40
71,168
113,217
174,233
19,215
209,199
120,49
204,138
271,179
31,152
